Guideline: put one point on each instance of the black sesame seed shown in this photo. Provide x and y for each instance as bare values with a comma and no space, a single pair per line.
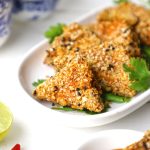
107,49
34,93
55,88
78,93
110,66
79,104
77,89
53,104
85,88
77,49
113,48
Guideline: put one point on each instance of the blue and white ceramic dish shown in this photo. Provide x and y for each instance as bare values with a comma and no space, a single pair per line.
5,20
33,9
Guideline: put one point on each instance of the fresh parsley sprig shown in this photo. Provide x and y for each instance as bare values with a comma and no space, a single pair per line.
54,31
38,82
115,98
139,74
66,108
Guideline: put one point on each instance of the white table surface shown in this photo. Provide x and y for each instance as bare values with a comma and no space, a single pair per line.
32,127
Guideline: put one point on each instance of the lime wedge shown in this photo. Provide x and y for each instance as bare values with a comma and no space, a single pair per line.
5,120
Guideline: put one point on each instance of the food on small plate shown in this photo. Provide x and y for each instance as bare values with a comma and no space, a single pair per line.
135,16
143,144
111,54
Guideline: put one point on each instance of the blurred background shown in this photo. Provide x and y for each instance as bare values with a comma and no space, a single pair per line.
25,34
27,30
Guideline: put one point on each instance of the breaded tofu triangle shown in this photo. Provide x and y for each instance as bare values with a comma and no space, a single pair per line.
133,15
75,38
73,87
118,31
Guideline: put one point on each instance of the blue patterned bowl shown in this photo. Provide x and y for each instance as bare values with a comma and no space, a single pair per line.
33,9
5,20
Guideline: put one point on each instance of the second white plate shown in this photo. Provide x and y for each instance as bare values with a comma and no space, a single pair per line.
111,140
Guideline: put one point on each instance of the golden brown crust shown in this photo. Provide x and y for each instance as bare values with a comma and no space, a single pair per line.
105,58
73,87
119,32
134,15
122,11
75,38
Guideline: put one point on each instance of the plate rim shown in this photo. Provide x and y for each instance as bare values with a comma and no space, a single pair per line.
36,48
105,115
103,132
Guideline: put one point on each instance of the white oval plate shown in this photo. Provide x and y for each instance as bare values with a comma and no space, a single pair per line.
111,140
32,68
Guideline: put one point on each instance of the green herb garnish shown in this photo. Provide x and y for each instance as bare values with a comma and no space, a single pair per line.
65,108
139,74
115,98
146,53
54,31
120,1
35,84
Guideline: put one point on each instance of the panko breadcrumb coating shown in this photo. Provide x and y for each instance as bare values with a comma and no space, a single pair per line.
105,58
118,31
75,38
134,15
143,144
73,87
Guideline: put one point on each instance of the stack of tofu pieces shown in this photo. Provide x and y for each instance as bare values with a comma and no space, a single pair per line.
89,58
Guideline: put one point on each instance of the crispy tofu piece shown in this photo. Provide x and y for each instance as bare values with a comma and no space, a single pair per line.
134,15
75,38
105,58
143,144
108,66
73,87
106,61
119,32
122,11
